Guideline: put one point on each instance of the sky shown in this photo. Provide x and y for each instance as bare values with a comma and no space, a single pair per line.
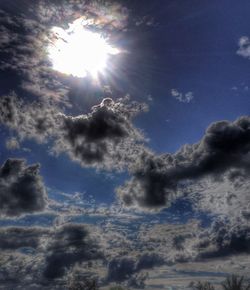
125,142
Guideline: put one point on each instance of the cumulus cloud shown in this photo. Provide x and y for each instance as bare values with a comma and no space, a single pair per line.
223,239
70,244
104,138
182,97
244,47
21,188
225,147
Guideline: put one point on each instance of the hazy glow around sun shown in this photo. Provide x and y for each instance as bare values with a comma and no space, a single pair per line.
77,51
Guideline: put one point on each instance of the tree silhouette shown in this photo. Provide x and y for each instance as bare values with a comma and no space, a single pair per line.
235,283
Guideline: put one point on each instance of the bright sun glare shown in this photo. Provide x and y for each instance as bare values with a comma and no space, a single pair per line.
77,51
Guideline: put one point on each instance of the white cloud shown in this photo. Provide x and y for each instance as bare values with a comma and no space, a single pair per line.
244,47
182,97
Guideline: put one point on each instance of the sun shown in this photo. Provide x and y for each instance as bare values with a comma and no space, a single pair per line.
78,51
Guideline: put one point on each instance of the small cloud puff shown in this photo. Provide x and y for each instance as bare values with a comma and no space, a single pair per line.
182,97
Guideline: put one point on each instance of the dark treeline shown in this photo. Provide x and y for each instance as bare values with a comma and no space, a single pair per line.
233,282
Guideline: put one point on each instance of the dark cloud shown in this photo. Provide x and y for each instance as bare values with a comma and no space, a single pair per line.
34,257
13,238
21,188
126,268
224,147
70,244
120,269
104,138
149,261
223,239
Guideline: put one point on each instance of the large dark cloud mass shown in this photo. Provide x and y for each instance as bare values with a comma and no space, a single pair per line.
225,147
21,188
70,244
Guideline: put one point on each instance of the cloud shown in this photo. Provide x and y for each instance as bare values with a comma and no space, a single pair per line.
181,97
21,188
172,243
223,239
120,269
225,198
49,256
129,269
70,244
37,257
224,148
36,120
14,238
104,138
244,47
